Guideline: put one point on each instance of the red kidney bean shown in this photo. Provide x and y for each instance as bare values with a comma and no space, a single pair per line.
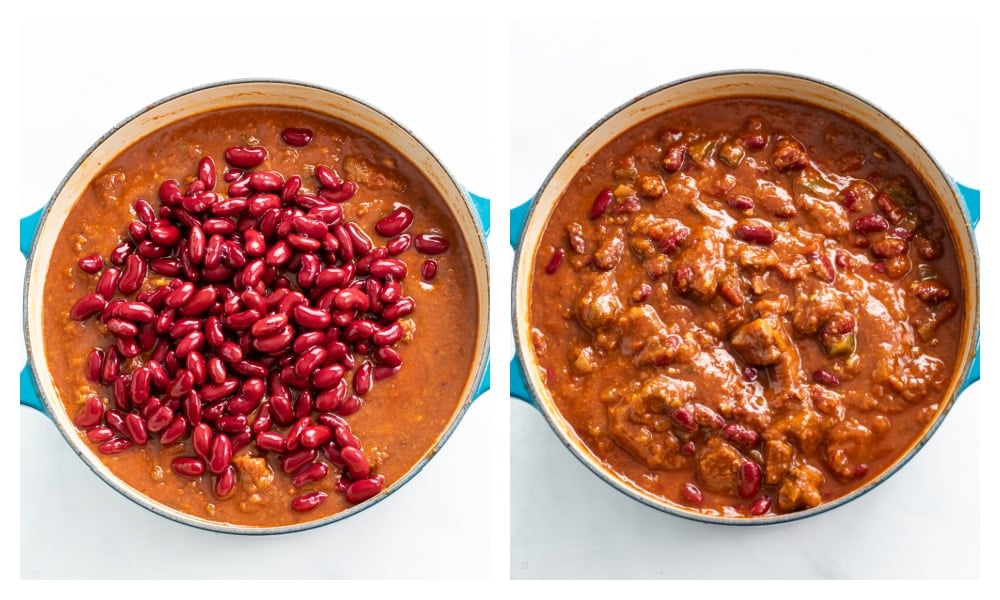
88,306
163,233
351,299
381,372
231,423
310,473
133,275
188,466
268,325
388,335
266,181
111,366
135,427
824,377
293,461
749,479
556,261
361,329
216,370
362,382
315,229
331,398
601,203
275,342
307,502
189,343
740,202
245,157
870,223
91,263
138,230
262,422
756,234
760,506
391,291
350,406
739,434
206,172
303,243
398,221
91,412
315,436
341,194
327,376
180,385
225,483
388,356
140,312
150,250
241,405
127,347
388,267
202,300
121,252
692,494
363,489
307,340
100,434
170,192
114,446
263,202
231,174
271,441
328,178
399,244
220,453
217,391
309,360
140,385
95,361
431,243
281,409
174,430
181,295
357,463
311,318
122,328
399,309
297,136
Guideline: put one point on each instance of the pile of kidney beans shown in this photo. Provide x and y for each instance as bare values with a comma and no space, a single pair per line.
274,300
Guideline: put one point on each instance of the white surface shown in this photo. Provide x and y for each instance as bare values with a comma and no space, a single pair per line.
565,522
77,85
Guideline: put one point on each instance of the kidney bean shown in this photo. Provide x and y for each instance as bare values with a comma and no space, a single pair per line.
188,466
870,223
114,446
601,203
127,347
174,431
398,221
297,136
91,263
739,434
692,494
231,174
138,231
381,372
399,244
760,506
271,441
233,423
363,489
135,428
307,502
431,243
245,157
362,329
756,234
328,178
749,479
111,366
275,342
293,461
88,306
350,406
266,181
121,252
220,453
398,309
343,436
170,192
309,360
312,472
327,376
268,325
357,463
91,412
824,377
95,361
225,483
100,434
262,422
341,194
133,275
282,410
388,335
388,267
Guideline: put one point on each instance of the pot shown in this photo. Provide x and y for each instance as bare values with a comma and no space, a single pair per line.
39,230
959,204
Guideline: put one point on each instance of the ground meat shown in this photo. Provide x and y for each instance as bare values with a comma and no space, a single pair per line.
815,304
774,199
599,306
651,186
645,337
384,177
663,394
848,448
778,457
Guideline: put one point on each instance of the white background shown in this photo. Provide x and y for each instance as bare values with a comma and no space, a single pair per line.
498,93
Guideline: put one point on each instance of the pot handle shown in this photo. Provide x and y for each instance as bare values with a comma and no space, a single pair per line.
518,383
482,210
29,389
971,198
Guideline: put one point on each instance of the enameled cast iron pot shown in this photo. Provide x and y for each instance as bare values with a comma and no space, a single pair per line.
40,229
960,206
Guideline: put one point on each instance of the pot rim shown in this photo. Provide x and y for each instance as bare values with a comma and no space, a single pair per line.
475,376
593,463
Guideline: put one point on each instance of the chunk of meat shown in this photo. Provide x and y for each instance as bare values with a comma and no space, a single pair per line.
718,465
651,186
800,489
651,235
583,360
848,448
778,460
574,233
919,377
372,176
645,337
815,304
761,342
611,251
774,199
599,306
662,393
803,425
628,427
702,262
110,185
789,154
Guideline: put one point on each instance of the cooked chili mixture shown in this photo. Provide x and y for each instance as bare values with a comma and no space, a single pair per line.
244,316
746,307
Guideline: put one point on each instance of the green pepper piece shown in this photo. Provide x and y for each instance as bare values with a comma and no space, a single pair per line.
732,154
910,222
901,191
814,182
701,152
841,345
